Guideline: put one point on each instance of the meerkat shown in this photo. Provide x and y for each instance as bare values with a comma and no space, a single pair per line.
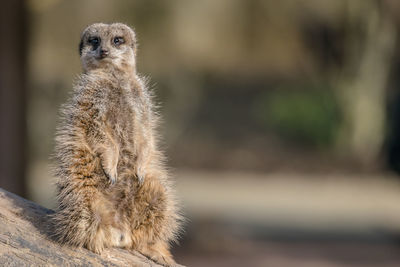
113,186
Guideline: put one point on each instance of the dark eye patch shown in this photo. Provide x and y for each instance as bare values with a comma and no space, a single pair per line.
95,41
118,40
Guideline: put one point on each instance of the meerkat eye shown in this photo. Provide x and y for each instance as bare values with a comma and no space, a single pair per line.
118,40
94,41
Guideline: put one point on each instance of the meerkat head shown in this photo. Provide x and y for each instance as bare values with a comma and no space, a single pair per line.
108,46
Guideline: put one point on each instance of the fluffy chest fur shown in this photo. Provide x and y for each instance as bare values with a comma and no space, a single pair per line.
112,114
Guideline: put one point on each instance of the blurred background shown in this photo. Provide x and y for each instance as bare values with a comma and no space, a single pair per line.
281,119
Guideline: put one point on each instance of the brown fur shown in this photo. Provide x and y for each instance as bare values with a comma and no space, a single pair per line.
113,187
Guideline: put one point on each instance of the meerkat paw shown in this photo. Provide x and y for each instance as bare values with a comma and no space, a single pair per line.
109,161
95,248
112,175
161,259
158,253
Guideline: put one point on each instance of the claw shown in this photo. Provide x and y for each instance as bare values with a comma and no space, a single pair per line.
110,177
113,177
112,180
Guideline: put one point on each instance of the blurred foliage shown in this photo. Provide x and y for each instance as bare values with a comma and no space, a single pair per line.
305,115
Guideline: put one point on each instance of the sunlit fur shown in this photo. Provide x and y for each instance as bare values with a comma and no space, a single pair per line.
113,187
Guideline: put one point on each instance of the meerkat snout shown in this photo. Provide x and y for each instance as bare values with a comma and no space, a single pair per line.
103,53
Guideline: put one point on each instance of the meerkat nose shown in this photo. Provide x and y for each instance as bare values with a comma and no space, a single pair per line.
103,53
